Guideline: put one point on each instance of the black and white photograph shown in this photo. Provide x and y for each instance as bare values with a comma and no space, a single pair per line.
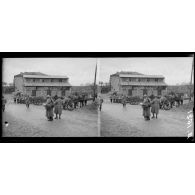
49,97
97,97
132,97
147,97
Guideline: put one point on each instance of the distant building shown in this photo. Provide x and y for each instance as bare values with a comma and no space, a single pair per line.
39,84
137,84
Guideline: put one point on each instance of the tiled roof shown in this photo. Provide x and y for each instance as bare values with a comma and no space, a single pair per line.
45,76
29,73
141,76
126,72
51,84
144,83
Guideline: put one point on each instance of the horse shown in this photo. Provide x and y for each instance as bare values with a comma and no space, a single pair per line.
175,98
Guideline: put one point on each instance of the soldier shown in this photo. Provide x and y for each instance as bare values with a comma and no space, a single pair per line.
114,98
155,105
75,100
111,98
80,100
27,101
58,105
85,99
99,102
124,101
49,108
14,98
146,107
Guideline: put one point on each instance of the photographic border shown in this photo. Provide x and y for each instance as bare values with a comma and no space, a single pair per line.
92,139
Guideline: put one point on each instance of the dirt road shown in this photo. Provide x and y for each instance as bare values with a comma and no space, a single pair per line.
32,122
118,121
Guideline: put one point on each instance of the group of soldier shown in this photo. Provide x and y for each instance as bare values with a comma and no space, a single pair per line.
150,106
53,106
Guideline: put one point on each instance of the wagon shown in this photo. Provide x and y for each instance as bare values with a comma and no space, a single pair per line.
134,100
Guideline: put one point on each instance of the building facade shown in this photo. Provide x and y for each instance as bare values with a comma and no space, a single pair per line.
137,84
39,84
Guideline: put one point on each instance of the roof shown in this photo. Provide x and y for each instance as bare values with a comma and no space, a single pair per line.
45,76
126,72
144,83
29,73
141,76
53,84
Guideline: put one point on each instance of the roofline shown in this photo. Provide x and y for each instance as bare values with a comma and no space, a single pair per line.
141,76
48,85
134,76
144,84
45,76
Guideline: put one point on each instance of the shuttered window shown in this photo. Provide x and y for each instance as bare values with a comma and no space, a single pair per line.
48,92
33,92
130,92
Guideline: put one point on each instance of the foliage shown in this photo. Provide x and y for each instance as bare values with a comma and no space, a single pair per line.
8,89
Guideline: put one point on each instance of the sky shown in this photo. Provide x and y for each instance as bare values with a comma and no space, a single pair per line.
81,70
175,70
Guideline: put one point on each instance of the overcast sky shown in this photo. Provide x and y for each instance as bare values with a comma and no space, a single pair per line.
175,70
81,70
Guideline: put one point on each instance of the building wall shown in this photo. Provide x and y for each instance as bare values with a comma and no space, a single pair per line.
18,84
115,83
140,91
42,91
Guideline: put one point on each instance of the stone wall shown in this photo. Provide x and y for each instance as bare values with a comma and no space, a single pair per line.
139,91
42,91
18,84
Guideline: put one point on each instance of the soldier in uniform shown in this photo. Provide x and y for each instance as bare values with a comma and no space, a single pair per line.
155,106
85,99
111,97
124,100
27,101
146,107
49,108
99,102
80,99
58,105
75,100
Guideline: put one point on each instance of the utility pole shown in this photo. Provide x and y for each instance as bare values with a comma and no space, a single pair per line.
95,81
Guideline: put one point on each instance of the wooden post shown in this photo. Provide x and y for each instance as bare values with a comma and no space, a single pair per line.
95,81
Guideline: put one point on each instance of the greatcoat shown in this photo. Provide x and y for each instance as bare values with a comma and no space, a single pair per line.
49,108
58,105
155,105
146,107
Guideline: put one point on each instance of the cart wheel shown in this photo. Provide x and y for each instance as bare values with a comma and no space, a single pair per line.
70,107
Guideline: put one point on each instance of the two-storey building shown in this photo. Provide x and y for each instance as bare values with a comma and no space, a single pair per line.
137,84
39,84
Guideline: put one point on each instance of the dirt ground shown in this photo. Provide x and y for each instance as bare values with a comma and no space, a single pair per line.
32,122
117,121
113,121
